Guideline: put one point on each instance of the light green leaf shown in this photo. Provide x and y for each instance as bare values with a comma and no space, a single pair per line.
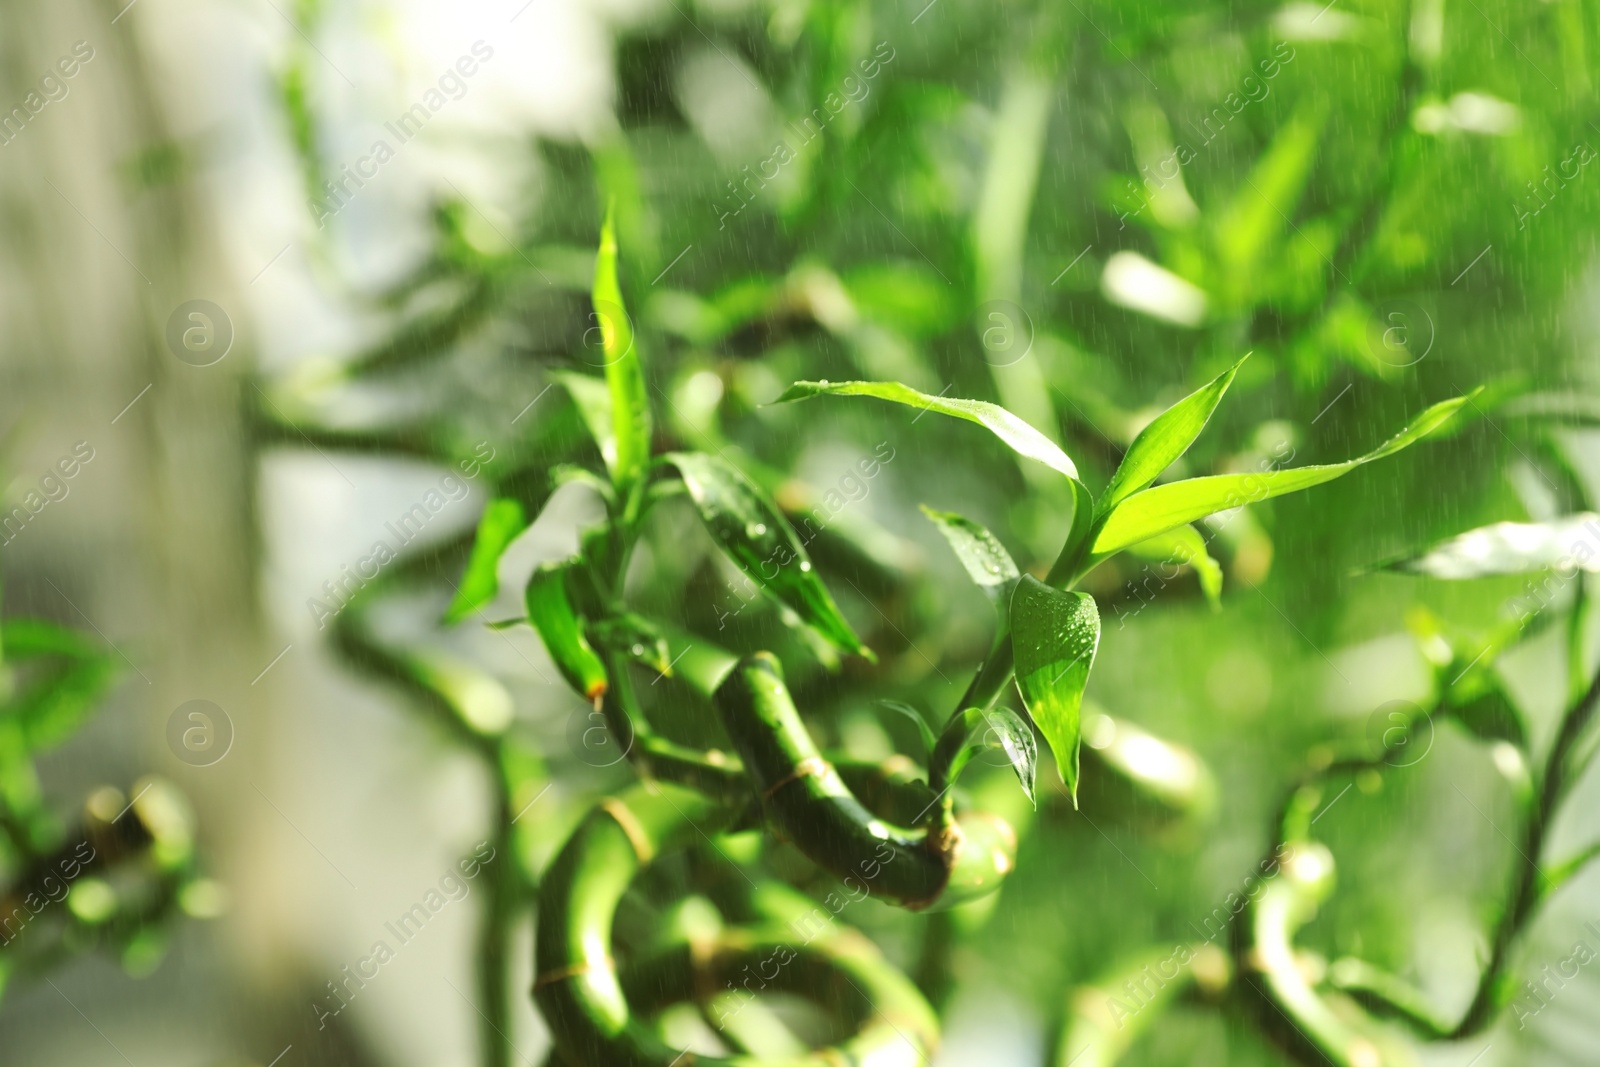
1022,438
1185,545
980,552
1266,202
592,398
501,522
59,699
550,610
1157,510
1511,548
1054,636
630,402
1555,877
1167,437
756,536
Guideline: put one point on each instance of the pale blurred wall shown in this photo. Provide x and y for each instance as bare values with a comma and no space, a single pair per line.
333,811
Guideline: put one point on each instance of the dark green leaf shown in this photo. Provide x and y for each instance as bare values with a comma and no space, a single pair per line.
501,522
1154,511
630,403
980,552
757,537
1054,637
1511,548
924,731
1022,438
560,628
636,637
1167,437
1491,716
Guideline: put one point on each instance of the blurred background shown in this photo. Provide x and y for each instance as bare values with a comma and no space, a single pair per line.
278,270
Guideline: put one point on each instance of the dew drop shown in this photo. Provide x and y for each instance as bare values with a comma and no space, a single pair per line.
805,566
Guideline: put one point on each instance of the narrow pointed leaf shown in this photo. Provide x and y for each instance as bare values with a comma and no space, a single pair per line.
1015,739
1555,877
972,730
551,613
1511,548
501,522
1155,511
1054,637
630,402
1021,437
1185,546
986,560
1169,436
592,398
755,535
924,731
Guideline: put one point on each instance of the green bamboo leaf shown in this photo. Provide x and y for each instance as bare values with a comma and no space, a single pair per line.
986,560
550,610
60,699
630,402
755,535
501,522
1154,511
1167,437
1491,716
924,731
1555,877
1021,437
1185,545
592,398
1510,548
1266,203
1054,636
971,731
636,637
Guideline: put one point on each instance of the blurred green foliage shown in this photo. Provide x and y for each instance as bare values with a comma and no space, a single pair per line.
1082,212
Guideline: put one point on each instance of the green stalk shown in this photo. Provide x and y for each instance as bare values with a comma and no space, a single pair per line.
590,1006
1525,898
494,935
807,800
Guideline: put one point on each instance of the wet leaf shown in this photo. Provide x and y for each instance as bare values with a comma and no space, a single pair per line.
986,560
1021,437
1572,541
973,730
1154,511
755,535
501,522
636,637
1054,637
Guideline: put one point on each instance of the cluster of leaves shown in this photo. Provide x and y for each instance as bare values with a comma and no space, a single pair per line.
111,879
974,225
